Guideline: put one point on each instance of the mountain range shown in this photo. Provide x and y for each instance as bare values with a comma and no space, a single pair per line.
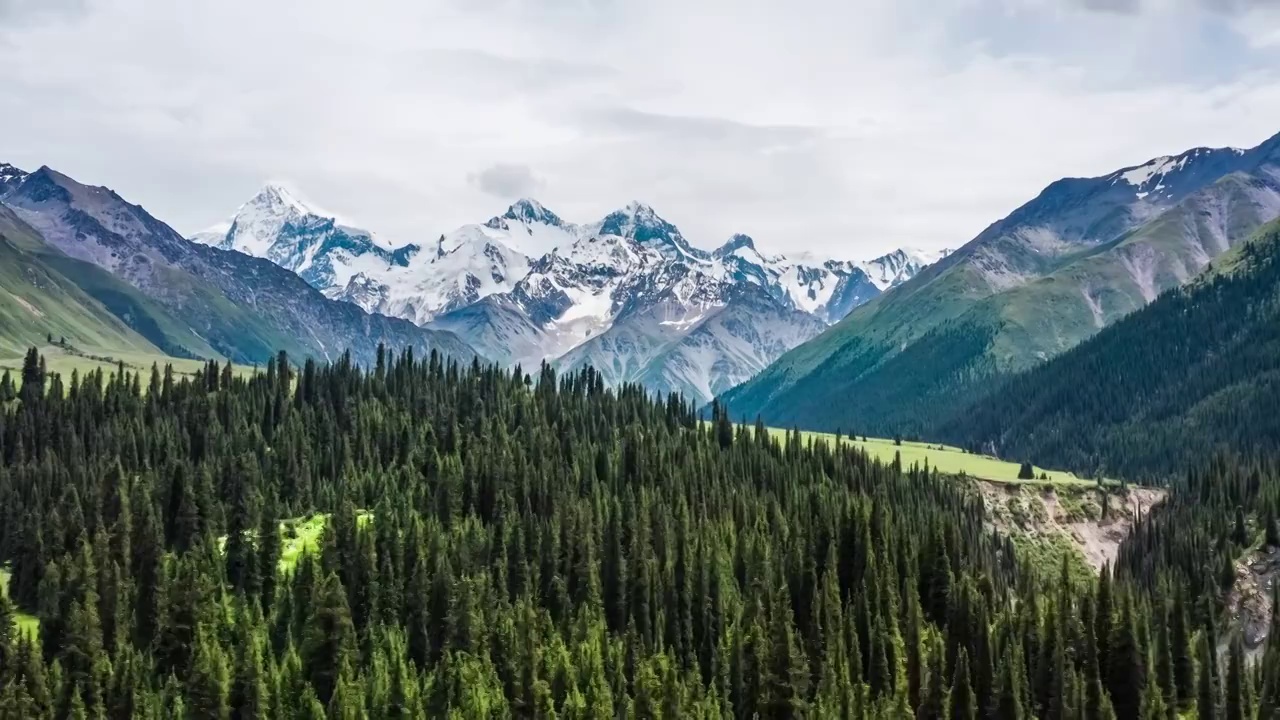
907,343
1082,254
1195,372
627,294
104,273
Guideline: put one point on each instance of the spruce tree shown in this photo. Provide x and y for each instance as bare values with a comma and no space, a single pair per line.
962,702
328,648
1207,689
1126,666
208,684
1236,703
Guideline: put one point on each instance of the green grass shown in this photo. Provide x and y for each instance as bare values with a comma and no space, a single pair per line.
27,624
65,360
36,301
142,314
945,459
300,537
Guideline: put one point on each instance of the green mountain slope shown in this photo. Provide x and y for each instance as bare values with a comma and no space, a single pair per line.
1196,371
193,300
1083,254
37,301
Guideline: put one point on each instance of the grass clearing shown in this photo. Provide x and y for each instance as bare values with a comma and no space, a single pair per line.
67,359
27,624
945,459
301,536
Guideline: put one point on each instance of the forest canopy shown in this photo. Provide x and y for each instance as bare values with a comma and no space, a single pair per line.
498,545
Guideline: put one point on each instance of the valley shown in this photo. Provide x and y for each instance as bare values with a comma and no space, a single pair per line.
346,501
637,360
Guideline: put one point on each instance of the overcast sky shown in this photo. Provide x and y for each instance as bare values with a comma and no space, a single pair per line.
847,127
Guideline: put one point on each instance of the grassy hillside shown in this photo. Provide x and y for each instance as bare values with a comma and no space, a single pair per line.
65,359
46,294
946,459
191,300
143,315
37,301
1195,372
959,330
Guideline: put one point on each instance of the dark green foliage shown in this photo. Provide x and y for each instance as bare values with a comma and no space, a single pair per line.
503,546
1196,371
1207,697
963,705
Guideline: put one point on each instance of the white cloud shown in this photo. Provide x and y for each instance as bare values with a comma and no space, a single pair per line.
508,182
844,127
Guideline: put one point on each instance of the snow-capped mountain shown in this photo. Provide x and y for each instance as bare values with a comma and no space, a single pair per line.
10,176
628,294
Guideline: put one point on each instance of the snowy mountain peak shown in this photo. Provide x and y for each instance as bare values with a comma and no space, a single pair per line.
642,211
527,286
1169,178
278,197
531,211
641,223
634,216
918,256
10,176
737,242
900,265
257,224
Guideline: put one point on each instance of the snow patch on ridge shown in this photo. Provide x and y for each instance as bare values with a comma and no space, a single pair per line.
619,294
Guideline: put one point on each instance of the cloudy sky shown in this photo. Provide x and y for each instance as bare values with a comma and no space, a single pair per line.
840,126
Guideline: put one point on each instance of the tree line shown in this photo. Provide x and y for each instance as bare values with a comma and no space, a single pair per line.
508,545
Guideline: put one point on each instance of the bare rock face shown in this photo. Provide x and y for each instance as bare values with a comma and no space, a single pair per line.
1249,603
1077,515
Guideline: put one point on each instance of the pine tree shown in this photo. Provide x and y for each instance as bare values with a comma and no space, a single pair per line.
328,648
208,684
1235,687
1164,665
933,705
1240,533
7,622
1008,698
250,693
268,561
1207,691
1126,666
962,702
1184,667
785,683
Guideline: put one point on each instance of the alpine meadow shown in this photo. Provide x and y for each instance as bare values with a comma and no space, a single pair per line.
944,386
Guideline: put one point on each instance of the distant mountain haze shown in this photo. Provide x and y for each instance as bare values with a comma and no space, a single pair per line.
628,294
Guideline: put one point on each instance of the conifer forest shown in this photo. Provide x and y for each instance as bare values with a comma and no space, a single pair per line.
496,544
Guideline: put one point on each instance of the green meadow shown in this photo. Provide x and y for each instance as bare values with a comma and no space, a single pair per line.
944,458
